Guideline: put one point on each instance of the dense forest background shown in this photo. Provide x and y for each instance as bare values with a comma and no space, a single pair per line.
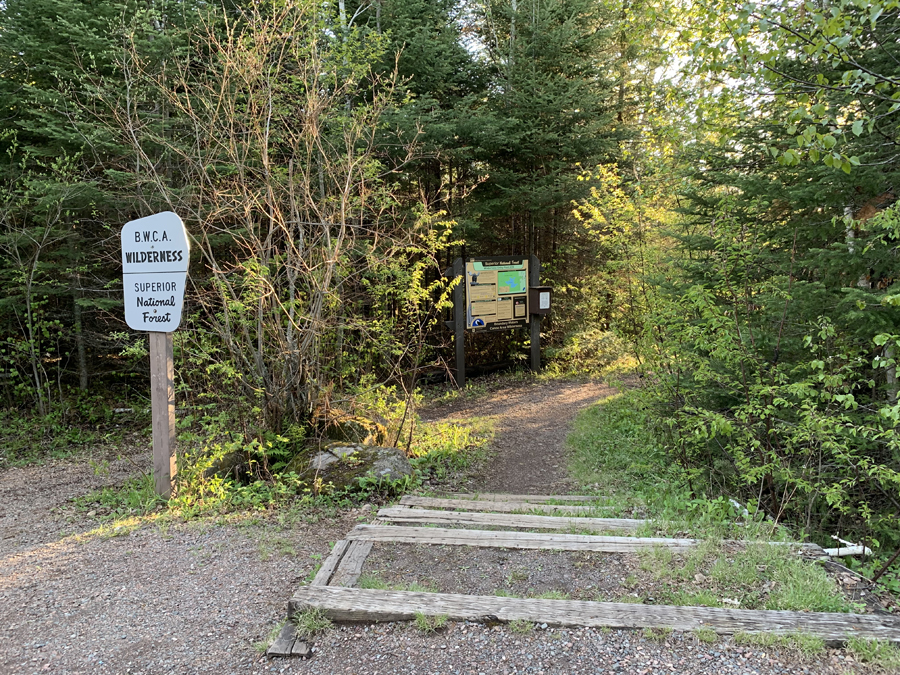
711,188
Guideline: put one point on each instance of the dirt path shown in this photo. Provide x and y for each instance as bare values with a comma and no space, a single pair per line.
532,422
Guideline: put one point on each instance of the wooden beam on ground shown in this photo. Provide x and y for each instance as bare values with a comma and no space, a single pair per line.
284,643
351,564
491,497
326,571
355,604
536,540
503,507
405,514
522,540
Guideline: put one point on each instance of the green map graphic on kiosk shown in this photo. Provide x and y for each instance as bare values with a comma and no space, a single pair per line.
511,282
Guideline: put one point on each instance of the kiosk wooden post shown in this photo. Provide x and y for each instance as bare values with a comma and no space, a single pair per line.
459,323
534,272
162,399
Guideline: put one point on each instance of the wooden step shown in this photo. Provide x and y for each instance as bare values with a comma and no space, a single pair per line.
352,563
344,565
411,515
503,507
536,540
492,497
523,540
354,604
326,571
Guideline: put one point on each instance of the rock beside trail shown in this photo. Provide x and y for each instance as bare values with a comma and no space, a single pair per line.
353,429
343,464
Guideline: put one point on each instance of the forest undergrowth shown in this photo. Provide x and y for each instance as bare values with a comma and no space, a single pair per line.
618,452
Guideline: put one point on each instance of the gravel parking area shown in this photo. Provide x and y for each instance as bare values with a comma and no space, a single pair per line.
466,648
183,598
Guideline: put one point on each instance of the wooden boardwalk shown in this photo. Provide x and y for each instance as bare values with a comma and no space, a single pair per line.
416,521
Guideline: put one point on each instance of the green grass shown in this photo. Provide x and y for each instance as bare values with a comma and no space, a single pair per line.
78,430
697,598
632,599
261,646
311,621
415,587
443,448
707,635
135,497
430,624
801,585
521,626
373,582
656,560
804,643
774,571
553,595
882,654
657,634
614,450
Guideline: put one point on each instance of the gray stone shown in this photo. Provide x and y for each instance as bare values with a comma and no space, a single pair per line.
343,464
390,463
334,453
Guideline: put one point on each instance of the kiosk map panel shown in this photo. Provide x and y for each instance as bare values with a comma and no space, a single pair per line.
496,293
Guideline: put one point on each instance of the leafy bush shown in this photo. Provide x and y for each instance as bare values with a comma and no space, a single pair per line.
589,351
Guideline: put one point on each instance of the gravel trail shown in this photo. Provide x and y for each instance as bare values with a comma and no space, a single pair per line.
194,598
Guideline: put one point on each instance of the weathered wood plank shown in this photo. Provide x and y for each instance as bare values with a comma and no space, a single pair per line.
503,507
326,571
424,516
522,540
407,514
531,540
354,604
284,643
351,565
495,497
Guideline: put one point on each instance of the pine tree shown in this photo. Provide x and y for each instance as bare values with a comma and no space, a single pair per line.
552,108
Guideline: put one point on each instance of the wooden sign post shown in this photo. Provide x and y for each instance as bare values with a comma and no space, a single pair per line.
162,402
155,256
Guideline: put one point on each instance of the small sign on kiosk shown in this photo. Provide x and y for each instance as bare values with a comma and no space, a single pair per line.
539,299
155,256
